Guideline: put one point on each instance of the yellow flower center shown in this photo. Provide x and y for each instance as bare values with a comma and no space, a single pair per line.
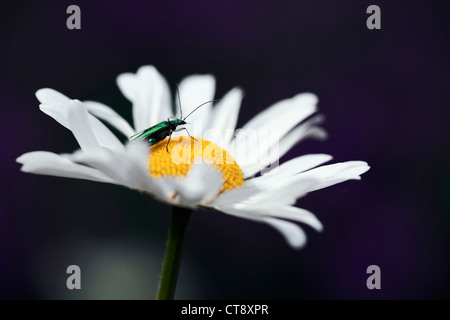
182,152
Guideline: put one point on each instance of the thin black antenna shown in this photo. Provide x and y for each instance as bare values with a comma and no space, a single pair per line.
199,107
179,101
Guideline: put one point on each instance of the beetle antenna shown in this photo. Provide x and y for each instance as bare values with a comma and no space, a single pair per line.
199,107
179,101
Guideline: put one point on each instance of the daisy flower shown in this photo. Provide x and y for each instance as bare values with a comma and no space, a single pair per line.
214,167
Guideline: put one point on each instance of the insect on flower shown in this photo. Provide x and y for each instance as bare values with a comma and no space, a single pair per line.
160,131
236,188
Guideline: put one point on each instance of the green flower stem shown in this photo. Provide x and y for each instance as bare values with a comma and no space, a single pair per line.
174,250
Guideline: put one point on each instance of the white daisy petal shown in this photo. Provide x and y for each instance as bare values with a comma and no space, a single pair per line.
293,234
339,172
128,166
296,214
308,129
201,184
231,209
329,175
105,161
166,189
78,119
195,90
107,114
136,168
279,192
274,122
294,166
236,195
150,95
276,151
285,114
48,163
224,115
127,85
134,164
279,210
56,105
103,135
49,96
57,112
114,164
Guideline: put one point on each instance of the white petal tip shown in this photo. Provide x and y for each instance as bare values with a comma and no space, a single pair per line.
318,133
125,82
361,167
201,79
149,69
307,98
50,96
319,227
297,244
20,159
238,91
292,233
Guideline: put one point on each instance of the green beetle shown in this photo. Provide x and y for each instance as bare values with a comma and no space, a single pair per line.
160,131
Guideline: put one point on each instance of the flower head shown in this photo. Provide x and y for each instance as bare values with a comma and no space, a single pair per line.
214,167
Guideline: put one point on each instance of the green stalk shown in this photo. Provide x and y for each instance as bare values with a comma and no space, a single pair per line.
174,250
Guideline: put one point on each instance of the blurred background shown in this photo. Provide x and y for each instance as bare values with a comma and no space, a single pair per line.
385,97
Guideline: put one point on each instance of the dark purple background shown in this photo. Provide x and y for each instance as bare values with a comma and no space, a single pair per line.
384,94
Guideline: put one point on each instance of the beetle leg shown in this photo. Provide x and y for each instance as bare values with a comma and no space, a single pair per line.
187,132
167,144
